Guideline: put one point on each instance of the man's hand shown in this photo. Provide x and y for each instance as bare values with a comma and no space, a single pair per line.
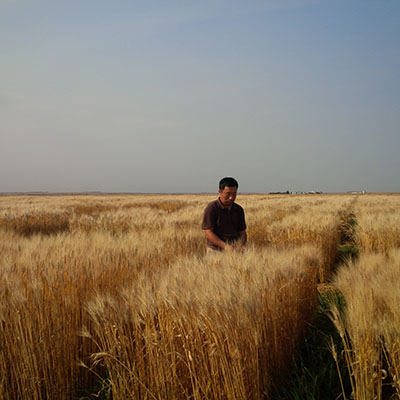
229,247
241,249
213,238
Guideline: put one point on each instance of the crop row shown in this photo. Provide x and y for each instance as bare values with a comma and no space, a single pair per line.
118,288
369,324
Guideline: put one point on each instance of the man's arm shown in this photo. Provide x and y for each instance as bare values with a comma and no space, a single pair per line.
242,238
214,239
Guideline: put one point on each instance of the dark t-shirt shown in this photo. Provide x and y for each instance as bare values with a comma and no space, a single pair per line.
226,224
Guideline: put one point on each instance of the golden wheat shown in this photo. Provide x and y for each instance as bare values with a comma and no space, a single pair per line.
121,284
369,324
378,219
207,327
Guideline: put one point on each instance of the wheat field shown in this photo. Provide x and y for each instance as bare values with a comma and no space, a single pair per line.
113,296
370,324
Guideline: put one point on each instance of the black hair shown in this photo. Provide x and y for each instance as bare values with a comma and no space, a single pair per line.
228,181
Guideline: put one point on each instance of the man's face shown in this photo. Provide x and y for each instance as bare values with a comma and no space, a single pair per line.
228,196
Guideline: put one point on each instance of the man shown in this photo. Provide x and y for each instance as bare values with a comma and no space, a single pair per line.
224,221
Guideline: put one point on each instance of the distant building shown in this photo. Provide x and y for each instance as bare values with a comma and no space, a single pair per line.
289,192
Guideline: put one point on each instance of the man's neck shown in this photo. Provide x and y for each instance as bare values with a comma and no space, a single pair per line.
223,205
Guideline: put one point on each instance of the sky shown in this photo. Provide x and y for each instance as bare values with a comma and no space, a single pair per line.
171,96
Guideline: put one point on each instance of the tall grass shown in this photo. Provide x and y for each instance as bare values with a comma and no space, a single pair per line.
369,324
121,285
290,221
378,220
208,328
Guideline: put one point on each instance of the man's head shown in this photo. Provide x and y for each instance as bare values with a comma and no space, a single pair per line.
227,191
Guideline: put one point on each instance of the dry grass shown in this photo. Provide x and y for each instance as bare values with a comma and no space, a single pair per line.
370,323
289,221
209,328
378,219
121,283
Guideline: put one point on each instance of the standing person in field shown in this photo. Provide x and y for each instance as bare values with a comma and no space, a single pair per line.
224,221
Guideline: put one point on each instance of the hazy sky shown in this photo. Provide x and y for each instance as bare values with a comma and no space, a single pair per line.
171,96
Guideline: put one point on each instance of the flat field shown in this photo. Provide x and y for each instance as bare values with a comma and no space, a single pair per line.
113,296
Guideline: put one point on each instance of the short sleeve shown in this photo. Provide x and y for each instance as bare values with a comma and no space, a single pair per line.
209,218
